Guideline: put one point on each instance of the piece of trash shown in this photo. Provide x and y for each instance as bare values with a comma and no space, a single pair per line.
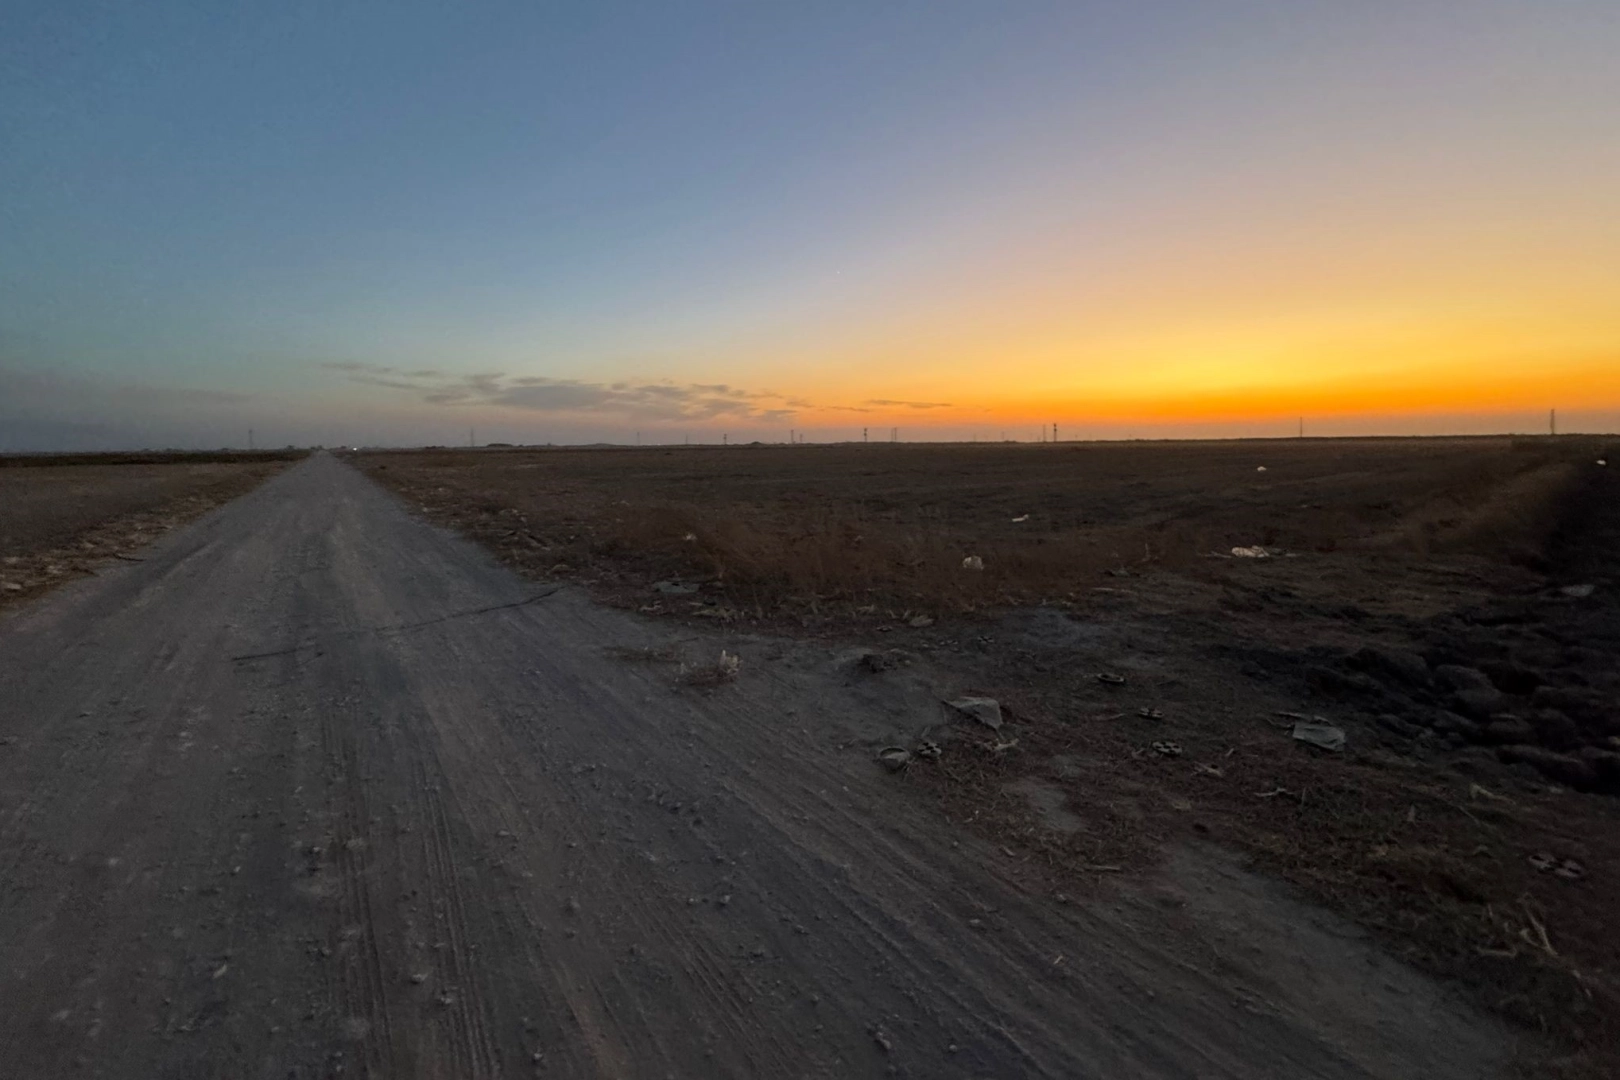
729,664
1262,468
920,621
675,588
973,562
1209,770
1578,592
1168,749
1025,517
690,538
1273,793
1602,461
926,749
1256,552
986,711
894,758
1003,747
1316,733
1150,714
1108,679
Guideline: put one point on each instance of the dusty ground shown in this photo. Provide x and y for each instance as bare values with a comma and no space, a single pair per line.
316,789
1415,601
63,516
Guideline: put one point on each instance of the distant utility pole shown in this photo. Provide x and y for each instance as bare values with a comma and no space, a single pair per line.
1302,427
723,439
1054,433
1552,421
790,436
863,435
250,438
638,438
472,437
894,434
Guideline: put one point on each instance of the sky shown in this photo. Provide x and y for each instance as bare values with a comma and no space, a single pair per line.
408,222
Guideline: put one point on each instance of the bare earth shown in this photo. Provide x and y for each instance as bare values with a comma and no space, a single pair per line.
319,789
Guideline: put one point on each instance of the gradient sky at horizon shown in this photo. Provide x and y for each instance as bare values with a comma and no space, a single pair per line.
396,222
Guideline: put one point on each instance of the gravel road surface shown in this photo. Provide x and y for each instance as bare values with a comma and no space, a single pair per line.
316,789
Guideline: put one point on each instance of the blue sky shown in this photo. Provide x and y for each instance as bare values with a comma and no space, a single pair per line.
329,221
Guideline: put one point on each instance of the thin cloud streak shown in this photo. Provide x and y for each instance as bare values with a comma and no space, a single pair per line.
647,401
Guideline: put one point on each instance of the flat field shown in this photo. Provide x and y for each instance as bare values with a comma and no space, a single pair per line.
1450,605
61,515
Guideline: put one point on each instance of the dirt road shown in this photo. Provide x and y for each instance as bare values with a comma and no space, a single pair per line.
317,789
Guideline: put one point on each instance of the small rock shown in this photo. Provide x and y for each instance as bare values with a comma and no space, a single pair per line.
1511,678
1457,677
1506,729
1391,722
1449,723
1480,703
1401,665
1559,768
1578,592
1605,765
920,621
1554,730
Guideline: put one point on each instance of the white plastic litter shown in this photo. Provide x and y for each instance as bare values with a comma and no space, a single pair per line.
1319,734
1251,552
1025,517
1260,469
986,711
973,562
1578,592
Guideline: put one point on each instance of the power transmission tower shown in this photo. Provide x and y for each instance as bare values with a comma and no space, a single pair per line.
863,435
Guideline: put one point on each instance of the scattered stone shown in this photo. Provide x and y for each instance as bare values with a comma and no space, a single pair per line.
919,621
973,562
1605,766
1480,703
1391,722
1511,678
1401,665
1457,677
1555,730
1449,723
1506,729
986,711
1559,768
1578,592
